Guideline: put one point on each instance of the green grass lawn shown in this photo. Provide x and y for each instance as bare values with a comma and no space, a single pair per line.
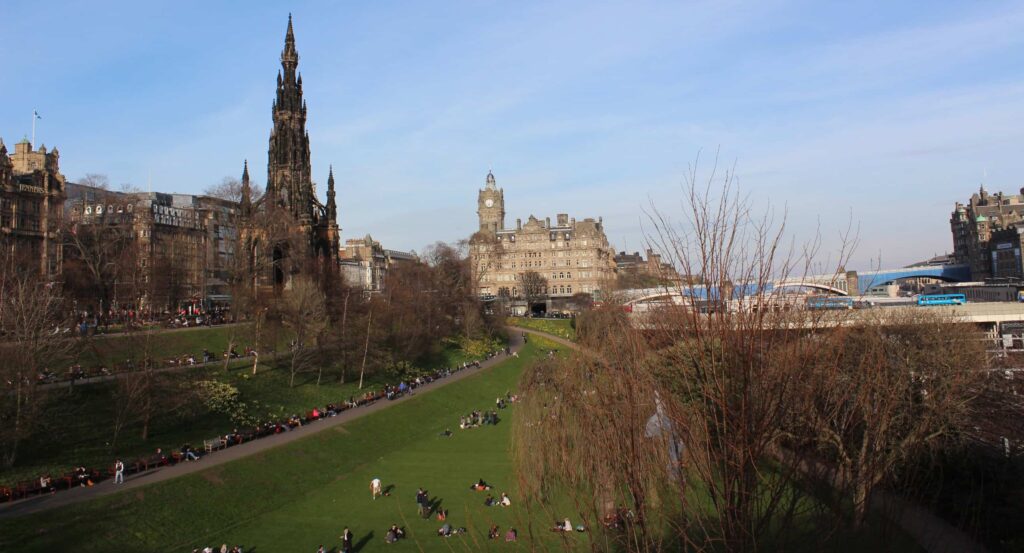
78,423
298,496
114,349
563,328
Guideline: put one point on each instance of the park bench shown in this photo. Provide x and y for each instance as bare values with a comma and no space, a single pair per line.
212,444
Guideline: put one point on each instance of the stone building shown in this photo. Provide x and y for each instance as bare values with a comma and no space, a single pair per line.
309,229
572,256
365,263
985,234
32,191
182,245
650,271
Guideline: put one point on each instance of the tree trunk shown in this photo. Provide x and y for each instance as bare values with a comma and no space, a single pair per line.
256,348
295,354
12,452
860,503
320,361
366,345
231,344
344,317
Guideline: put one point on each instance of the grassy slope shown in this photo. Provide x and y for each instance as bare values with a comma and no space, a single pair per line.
295,497
115,349
80,430
563,328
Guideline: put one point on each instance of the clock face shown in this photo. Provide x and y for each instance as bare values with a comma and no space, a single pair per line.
489,202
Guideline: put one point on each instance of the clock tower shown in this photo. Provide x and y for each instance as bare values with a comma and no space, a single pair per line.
491,206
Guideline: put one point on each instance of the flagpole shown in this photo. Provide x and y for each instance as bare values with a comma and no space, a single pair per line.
34,129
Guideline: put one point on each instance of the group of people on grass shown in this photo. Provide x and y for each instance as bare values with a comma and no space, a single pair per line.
478,418
82,476
426,507
502,500
222,549
566,526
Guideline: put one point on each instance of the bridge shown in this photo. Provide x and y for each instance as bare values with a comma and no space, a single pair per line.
857,282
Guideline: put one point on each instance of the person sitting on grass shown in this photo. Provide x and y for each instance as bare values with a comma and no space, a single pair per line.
447,433
445,530
511,535
442,515
390,537
399,533
480,486
505,501
564,526
489,501
494,532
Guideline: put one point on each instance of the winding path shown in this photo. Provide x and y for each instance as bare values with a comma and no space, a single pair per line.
107,487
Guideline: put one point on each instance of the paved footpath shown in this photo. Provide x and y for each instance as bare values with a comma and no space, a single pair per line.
107,487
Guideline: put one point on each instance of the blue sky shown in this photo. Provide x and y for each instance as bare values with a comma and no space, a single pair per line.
883,113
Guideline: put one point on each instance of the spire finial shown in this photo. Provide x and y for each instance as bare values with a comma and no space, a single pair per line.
245,172
290,55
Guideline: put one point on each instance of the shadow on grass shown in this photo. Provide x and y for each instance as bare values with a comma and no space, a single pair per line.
434,506
358,546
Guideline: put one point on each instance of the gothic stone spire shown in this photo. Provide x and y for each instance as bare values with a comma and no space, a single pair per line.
289,180
332,207
245,202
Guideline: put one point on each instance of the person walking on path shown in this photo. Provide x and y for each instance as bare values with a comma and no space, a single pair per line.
119,472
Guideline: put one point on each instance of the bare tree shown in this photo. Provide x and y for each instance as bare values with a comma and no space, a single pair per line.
303,310
230,188
668,425
888,388
102,253
95,180
34,341
535,286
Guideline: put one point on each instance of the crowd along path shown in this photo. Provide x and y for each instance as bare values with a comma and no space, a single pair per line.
107,487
